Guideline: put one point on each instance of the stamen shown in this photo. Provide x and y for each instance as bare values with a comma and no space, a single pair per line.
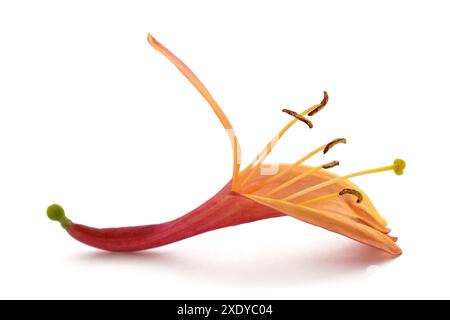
397,167
269,147
251,173
331,144
319,106
354,192
321,198
298,117
335,195
301,176
295,164
293,180
364,220
330,164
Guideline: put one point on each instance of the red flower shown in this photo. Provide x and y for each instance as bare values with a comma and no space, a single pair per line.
260,191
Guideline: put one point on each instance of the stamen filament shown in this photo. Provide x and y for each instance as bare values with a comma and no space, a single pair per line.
397,167
256,163
293,180
321,198
301,176
297,163
354,192
269,147
253,166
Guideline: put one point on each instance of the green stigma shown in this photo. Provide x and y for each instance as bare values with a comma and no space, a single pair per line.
56,213
398,166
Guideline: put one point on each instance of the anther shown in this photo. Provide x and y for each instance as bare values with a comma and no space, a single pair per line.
330,164
354,192
299,117
331,144
321,105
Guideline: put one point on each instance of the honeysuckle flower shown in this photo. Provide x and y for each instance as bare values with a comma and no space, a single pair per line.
311,194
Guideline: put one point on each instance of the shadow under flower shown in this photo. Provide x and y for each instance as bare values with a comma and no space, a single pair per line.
307,265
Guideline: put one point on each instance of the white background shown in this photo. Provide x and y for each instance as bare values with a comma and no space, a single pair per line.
93,118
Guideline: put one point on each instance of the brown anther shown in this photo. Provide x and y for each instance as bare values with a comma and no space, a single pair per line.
321,105
299,117
330,164
333,143
352,192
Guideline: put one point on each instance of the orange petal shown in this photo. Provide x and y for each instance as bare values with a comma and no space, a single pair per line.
367,213
187,72
333,222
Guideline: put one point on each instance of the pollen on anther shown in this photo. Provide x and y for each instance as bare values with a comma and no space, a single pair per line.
332,143
321,105
299,117
330,164
354,192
